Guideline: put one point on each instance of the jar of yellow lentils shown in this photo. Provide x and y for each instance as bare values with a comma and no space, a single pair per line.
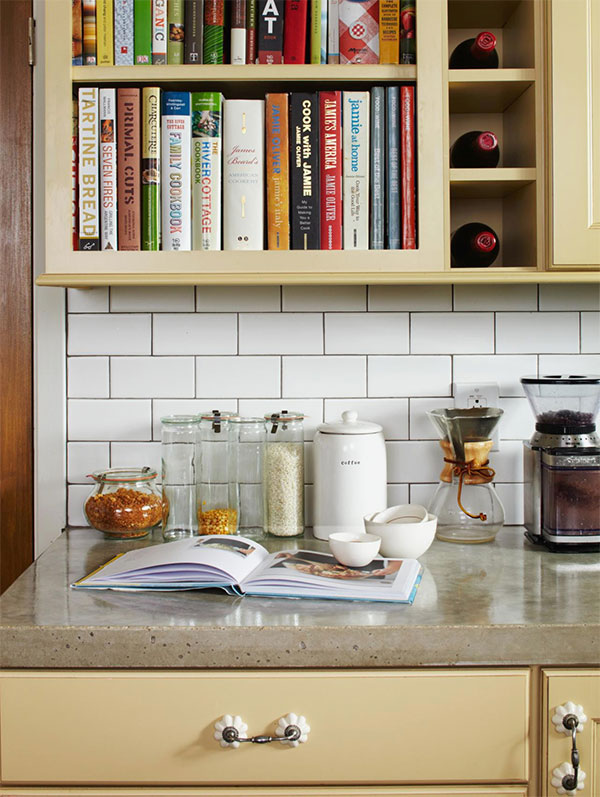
216,513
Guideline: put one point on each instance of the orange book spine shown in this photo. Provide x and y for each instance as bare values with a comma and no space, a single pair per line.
278,172
389,31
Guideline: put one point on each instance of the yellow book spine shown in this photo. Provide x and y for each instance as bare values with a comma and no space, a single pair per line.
278,172
104,24
389,31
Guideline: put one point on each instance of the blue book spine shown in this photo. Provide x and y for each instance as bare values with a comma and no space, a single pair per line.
392,168
377,170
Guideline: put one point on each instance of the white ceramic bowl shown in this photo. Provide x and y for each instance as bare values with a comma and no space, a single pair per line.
405,540
402,513
354,550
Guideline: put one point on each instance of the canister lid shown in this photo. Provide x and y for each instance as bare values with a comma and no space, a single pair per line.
349,425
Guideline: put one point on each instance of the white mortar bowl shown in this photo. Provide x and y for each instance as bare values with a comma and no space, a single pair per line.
354,550
404,540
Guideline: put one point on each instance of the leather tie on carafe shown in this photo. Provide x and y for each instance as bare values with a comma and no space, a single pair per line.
473,470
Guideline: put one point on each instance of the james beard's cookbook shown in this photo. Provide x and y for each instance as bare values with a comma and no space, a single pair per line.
243,567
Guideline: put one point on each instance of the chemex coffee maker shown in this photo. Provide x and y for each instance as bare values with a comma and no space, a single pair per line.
562,463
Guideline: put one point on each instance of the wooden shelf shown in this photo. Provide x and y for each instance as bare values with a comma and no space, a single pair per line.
488,183
486,90
480,13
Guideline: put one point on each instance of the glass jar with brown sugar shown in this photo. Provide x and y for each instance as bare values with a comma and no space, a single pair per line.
125,502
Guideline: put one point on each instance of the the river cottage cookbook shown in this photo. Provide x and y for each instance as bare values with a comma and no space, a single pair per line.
243,567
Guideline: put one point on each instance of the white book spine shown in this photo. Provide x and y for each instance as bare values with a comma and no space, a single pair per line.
333,33
89,193
243,174
176,162
159,31
206,157
355,127
238,46
123,34
108,169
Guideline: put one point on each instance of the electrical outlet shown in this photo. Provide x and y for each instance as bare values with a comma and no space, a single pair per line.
478,394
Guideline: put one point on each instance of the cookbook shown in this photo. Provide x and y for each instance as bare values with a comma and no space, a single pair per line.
244,567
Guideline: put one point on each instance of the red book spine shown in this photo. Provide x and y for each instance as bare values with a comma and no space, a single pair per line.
294,32
330,141
407,169
129,187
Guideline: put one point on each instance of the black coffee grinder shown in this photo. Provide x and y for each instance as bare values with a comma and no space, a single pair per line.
562,463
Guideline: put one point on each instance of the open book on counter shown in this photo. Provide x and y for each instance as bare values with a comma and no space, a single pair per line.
243,567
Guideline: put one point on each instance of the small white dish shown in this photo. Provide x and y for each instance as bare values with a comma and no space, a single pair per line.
406,540
402,513
354,550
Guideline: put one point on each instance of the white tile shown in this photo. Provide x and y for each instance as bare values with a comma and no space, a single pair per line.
397,494
87,377
111,333
139,299
538,333
414,298
511,496
238,377
87,300
100,419
77,495
163,407
569,297
495,297
505,369
414,461
451,333
194,333
238,299
569,364
281,333
324,376
508,461
152,377
366,333
324,297
518,422
84,458
422,494
136,455
409,376
421,428
312,409
590,333
392,414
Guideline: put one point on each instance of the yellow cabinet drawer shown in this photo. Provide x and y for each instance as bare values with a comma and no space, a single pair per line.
366,727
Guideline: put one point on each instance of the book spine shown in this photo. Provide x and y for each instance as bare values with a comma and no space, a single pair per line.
278,172
377,170
77,34
251,38
89,32
324,10
151,152
74,177
159,31
407,151
192,40
105,32
359,31
294,32
89,189
304,171
330,141
315,31
175,24
123,32
270,31
207,133
212,50
408,32
128,169
243,174
108,170
355,204
333,32
142,31
389,31
176,160
238,32
392,167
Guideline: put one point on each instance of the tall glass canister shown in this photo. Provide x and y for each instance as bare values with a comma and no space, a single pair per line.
247,440
179,435
215,513
283,474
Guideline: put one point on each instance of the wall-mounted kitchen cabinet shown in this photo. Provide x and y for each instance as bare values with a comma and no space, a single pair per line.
511,198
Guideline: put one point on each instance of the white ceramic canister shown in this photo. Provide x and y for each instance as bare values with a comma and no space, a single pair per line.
350,478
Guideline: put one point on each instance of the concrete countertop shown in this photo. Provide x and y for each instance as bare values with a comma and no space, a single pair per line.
500,603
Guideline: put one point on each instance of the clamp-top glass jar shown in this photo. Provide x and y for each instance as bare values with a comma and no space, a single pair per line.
124,503
179,436
283,474
215,513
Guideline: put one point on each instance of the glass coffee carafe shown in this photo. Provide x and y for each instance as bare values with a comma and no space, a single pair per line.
465,502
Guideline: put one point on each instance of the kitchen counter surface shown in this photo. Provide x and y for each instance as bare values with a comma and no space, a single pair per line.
503,603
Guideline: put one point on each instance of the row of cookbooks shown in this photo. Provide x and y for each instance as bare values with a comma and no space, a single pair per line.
127,32
173,170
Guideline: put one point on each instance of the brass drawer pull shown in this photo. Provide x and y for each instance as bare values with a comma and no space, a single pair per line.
291,729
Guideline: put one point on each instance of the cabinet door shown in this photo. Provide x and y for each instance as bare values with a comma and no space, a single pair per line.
581,687
575,97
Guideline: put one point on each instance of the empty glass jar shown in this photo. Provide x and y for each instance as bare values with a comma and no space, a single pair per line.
246,441
179,434
283,475
215,513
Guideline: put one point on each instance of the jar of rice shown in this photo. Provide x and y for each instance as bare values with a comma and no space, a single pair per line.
283,474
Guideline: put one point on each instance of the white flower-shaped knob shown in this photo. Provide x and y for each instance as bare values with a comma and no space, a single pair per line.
229,721
558,775
293,730
562,711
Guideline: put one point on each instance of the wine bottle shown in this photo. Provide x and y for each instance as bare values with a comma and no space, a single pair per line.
474,245
475,149
477,53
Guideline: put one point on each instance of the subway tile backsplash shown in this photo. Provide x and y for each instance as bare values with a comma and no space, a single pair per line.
389,352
